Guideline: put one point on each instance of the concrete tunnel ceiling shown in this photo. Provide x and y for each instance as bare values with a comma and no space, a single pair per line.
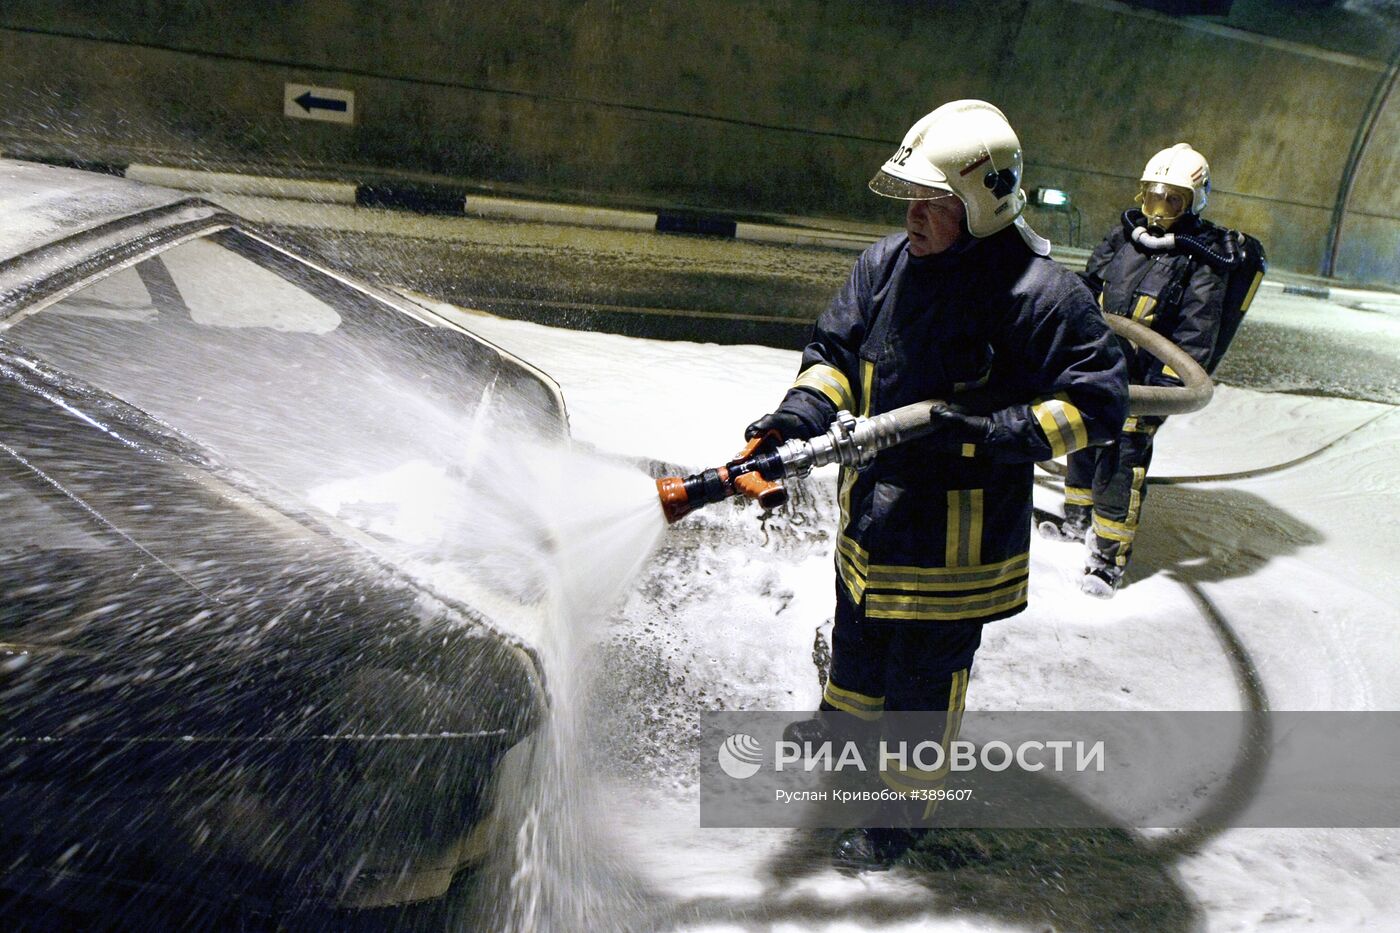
776,109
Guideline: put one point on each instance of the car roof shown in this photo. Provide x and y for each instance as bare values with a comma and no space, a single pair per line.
41,204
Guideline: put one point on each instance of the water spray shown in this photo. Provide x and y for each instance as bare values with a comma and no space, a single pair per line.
853,442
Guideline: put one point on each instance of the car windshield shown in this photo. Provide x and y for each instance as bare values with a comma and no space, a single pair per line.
288,374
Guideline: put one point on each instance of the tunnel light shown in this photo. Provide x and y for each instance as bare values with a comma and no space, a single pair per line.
1052,197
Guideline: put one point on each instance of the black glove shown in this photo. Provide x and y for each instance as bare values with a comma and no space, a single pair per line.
952,427
784,425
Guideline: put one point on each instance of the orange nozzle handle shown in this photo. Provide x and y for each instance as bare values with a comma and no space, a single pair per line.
769,494
682,495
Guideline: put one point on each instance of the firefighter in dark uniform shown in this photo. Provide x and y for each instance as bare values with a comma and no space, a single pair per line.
935,534
1167,268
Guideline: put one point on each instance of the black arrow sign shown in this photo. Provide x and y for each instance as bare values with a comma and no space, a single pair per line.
308,101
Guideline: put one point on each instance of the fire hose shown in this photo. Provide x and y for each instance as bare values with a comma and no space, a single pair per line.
854,442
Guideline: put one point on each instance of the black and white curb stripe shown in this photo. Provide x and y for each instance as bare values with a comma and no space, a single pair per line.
455,202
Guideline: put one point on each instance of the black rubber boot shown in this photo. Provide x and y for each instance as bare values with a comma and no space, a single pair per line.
873,849
1072,529
812,731
822,727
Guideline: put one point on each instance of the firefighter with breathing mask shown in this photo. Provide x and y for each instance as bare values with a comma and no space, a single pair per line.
1167,268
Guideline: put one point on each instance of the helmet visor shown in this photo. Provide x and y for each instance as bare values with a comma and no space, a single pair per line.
887,185
1163,203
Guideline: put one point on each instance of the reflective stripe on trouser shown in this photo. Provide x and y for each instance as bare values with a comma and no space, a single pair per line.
1120,487
1079,487
894,666
857,704
907,776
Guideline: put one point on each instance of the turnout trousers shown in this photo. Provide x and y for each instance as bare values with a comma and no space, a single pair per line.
879,667
1105,488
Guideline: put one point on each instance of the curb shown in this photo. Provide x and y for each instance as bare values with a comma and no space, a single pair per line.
458,202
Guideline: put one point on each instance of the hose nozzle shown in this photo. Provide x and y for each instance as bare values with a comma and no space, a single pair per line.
748,474
850,441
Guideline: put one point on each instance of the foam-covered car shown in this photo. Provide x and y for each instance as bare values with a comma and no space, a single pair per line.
218,684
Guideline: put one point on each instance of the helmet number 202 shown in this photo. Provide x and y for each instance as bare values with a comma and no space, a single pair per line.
901,155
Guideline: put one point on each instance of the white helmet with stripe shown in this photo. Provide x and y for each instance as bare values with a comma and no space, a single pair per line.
966,148
1179,167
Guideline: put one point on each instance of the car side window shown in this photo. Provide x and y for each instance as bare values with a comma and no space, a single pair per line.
318,394
207,284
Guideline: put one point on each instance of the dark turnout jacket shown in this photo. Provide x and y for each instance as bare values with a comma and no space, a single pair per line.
930,531
1171,291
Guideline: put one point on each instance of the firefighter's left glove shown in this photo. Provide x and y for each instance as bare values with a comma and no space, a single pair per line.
775,428
951,427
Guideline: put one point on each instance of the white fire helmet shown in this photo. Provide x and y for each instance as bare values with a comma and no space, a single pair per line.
968,149
1181,168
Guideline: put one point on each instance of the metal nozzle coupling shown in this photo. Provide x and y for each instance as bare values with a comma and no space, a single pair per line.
850,441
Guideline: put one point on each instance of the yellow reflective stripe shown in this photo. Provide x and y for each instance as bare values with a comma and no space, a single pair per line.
1134,426
847,480
859,556
858,713
957,702
1249,296
1135,500
853,697
902,781
851,564
974,548
969,450
1078,495
968,576
1112,530
953,534
852,578
908,779
944,608
1062,424
1142,311
868,711
918,580
847,477
963,543
829,381
1169,372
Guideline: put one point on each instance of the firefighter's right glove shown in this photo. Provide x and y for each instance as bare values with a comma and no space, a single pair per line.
952,427
775,428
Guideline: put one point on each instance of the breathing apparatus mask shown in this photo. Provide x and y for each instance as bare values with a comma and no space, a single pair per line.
1163,204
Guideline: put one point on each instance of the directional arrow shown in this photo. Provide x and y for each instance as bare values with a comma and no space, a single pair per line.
309,102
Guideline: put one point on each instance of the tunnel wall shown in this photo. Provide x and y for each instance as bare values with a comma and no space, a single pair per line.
784,107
